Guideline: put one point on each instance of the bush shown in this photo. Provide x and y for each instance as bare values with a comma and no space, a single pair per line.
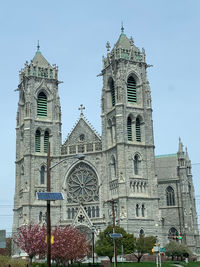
5,261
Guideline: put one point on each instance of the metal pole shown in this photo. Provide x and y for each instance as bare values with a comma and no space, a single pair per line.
93,247
48,210
114,230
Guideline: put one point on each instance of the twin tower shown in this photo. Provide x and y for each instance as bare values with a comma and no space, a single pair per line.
119,165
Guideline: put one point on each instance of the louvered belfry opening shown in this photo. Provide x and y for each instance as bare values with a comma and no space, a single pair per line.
42,105
138,130
37,141
131,90
112,90
46,141
129,129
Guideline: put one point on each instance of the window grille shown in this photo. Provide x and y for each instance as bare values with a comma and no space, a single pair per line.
42,105
37,141
46,141
129,129
131,90
138,130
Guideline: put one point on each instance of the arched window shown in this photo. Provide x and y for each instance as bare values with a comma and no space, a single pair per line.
42,105
46,141
173,233
170,196
136,164
73,213
42,172
113,167
143,210
112,90
137,210
138,130
93,211
68,213
97,211
131,90
129,128
141,233
89,212
40,217
37,141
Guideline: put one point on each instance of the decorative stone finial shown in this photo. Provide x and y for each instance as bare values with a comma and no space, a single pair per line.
81,108
131,40
180,146
108,46
38,47
122,28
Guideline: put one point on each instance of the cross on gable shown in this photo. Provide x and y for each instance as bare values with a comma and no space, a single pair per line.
81,108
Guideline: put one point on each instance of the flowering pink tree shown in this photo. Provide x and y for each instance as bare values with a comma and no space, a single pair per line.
31,239
69,244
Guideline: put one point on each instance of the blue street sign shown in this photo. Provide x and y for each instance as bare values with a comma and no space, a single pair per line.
115,235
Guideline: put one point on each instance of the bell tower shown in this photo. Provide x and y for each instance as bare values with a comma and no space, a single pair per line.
38,122
127,136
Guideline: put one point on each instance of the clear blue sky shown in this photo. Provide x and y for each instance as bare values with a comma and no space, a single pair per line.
73,35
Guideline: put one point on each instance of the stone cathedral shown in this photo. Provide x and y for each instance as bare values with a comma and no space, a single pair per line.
154,195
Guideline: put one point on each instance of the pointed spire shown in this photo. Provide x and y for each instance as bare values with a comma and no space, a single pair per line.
38,47
186,155
122,28
180,146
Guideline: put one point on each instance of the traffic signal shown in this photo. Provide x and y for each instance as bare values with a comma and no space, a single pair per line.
180,237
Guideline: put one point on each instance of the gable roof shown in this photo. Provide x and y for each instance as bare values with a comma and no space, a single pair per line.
82,126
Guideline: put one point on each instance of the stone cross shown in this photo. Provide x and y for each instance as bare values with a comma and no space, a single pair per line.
81,108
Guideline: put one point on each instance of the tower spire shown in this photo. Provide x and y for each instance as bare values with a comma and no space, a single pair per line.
38,47
122,28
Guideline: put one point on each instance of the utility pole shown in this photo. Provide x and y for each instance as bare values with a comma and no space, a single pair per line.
48,209
112,201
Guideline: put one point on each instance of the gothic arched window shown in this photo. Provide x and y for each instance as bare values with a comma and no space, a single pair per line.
170,196
131,90
138,130
129,128
137,210
136,164
143,210
97,211
46,141
89,212
42,172
37,141
40,217
141,233
112,90
93,211
113,167
42,105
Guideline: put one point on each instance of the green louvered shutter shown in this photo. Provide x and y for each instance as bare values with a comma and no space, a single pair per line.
37,141
42,105
46,141
129,129
138,130
131,90
112,88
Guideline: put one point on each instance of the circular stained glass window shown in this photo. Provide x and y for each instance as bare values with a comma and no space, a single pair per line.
82,184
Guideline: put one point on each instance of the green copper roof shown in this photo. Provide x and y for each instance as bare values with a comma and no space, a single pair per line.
166,156
123,42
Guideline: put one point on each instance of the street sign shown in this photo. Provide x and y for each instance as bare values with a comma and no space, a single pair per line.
155,249
162,249
49,196
115,235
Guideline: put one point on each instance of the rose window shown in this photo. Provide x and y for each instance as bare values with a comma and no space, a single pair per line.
82,184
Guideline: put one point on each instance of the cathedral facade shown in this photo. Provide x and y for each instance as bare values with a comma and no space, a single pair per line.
153,195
